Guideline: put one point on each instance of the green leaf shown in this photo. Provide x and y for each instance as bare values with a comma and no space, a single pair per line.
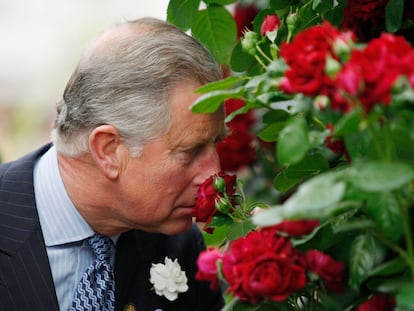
216,29
316,197
220,2
293,142
271,132
182,13
391,267
239,229
321,238
220,220
385,210
348,123
275,116
210,102
366,252
215,238
405,297
381,176
393,15
295,173
223,84
389,284
241,61
269,217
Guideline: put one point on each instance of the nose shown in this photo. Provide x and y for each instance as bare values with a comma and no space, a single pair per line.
209,165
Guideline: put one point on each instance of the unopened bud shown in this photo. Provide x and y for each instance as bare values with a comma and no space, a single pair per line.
332,66
321,101
223,204
219,184
343,46
249,42
291,20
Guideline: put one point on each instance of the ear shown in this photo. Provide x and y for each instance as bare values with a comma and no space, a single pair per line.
106,148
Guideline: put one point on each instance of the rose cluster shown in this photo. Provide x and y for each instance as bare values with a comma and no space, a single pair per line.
265,266
214,195
326,62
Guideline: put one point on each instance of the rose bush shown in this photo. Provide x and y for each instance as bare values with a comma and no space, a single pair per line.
333,103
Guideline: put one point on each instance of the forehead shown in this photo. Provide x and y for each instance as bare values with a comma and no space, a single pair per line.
188,127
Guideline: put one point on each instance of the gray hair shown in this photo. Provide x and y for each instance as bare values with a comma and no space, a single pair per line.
125,80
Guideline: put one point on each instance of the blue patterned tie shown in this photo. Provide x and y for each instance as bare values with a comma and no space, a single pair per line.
96,290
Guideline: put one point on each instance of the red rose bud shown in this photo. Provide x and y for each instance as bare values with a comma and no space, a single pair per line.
249,41
223,204
205,209
270,26
219,184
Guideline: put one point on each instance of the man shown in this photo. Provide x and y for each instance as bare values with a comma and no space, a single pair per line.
126,162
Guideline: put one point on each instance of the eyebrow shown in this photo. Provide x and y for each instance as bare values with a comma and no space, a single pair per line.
200,143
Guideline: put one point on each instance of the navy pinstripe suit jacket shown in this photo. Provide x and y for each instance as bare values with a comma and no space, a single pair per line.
26,282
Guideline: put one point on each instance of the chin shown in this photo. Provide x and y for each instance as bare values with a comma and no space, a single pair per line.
177,227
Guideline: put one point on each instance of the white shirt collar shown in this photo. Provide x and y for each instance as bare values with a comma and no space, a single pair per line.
60,220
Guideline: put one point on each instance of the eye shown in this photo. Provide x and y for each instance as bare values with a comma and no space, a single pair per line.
185,157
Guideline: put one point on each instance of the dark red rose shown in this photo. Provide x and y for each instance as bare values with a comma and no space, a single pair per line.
306,57
297,228
378,302
236,149
205,209
263,265
329,270
365,18
244,16
207,266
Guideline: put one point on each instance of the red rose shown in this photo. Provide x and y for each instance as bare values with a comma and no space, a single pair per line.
270,26
297,227
207,266
205,209
378,302
236,150
306,57
263,265
369,75
329,270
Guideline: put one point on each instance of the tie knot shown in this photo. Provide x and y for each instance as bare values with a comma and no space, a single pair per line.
101,246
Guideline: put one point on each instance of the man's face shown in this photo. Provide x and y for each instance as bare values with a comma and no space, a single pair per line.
157,190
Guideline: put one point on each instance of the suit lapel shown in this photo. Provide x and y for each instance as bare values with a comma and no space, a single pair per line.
136,251
25,278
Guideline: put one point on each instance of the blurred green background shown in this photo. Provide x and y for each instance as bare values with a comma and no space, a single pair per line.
41,42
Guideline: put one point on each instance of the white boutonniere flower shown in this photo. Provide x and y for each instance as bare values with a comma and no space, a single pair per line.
168,279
